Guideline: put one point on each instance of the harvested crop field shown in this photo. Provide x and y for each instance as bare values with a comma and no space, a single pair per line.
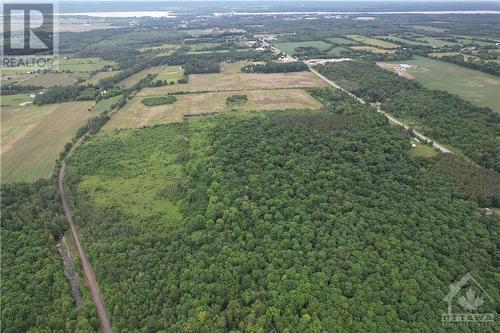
34,136
135,114
231,79
52,79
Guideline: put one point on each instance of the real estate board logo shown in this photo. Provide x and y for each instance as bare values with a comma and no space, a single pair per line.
465,300
29,34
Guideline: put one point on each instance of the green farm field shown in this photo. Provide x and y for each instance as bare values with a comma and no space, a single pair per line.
477,87
341,41
83,64
374,42
289,47
34,136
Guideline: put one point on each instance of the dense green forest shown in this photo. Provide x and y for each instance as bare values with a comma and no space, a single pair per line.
451,120
35,292
366,80
280,221
443,116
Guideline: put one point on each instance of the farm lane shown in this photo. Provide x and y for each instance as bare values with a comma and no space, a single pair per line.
87,268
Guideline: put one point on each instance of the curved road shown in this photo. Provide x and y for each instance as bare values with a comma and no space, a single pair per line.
87,268
391,118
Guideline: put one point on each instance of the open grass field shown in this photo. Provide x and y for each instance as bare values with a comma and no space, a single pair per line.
427,28
106,104
232,79
52,79
435,41
422,150
203,46
34,136
135,114
289,47
475,86
373,42
133,79
336,51
83,64
99,76
341,41
372,49
170,73
14,100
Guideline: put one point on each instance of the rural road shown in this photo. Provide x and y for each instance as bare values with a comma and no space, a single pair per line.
419,135
87,268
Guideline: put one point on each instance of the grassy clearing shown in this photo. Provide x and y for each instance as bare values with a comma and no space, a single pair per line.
99,76
135,114
422,150
289,47
232,79
371,49
15,100
341,41
153,155
33,137
106,104
373,42
133,79
478,87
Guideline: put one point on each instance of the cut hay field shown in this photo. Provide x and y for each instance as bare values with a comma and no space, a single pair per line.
135,114
475,86
133,79
170,73
33,137
373,42
289,47
48,79
232,79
